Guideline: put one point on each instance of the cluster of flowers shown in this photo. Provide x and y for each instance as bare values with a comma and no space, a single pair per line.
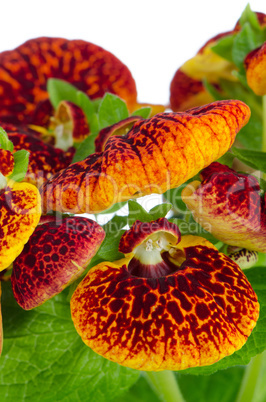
173,301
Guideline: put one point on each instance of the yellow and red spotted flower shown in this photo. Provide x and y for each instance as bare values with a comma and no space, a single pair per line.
187,88
44,159
156,154
24,72
255,65
170,304
68,125
120,128
230,206
7,162
20,206
56,254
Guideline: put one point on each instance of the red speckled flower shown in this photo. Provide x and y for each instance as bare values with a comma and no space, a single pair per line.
187,89
230,206
44,160
168,305
255,64
56,254
20,207
6,162
156,154
120,128
68,125
25,70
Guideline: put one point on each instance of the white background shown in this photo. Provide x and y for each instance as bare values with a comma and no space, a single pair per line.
153,38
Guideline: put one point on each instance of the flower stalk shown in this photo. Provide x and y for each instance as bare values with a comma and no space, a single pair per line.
165,385
251,378
264,123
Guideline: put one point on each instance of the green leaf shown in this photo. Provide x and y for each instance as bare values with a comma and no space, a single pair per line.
21,159
89,108
193,228
250,136
256,342
137,212
45,360
224,47
59,90
97,103
116,207
255,159
249,16
86,148
5,143
143,112
222,386
112,110
160,211
174,197
139,392
113,232
109,248
227,159
115,224
245,41
212,90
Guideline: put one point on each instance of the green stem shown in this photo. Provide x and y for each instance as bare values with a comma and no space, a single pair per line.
264,123
251,378
165,385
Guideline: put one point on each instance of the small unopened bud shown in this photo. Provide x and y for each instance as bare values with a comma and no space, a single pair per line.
244,258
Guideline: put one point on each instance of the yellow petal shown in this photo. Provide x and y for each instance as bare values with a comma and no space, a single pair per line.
20,211
207,64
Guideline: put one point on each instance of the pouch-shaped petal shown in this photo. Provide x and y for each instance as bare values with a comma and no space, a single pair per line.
20,211
229,205
69,125
25,70
187,86
255,64
6,162
196,314
155,155
187,92
55,255
44,159
120,128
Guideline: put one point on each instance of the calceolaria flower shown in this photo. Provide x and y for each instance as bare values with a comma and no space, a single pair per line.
155,155
230,206
219,67
255,64
44,158
20,206
56,254
170,304
25,70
